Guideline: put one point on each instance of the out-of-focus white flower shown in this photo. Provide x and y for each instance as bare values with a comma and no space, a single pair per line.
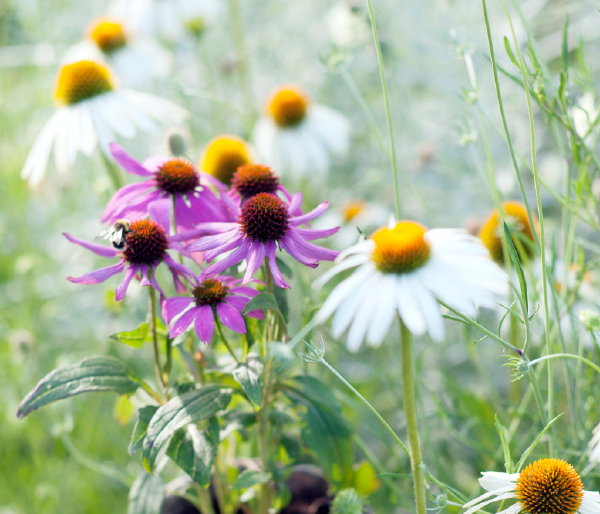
296,137
348,24
92,111
134,60
584,113
594,446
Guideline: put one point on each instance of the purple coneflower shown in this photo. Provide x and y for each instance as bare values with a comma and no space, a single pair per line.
212,298
264,223
168,177
141,246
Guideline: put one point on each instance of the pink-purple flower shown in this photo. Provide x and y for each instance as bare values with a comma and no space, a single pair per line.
143,246
264,223
215,298
167,178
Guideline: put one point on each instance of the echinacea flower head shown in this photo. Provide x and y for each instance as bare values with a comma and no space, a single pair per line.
141,246
172,178
546,486
92,110
492,232
264,223
223,155
108,33
252,179
298,137
217,297
403,268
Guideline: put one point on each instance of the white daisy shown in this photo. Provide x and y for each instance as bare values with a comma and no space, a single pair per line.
135,60
348,24
594,446
403,269
548,486
298,137
92,111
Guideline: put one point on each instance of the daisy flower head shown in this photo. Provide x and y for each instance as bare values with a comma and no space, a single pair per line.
264,223
492,231
93,111
298,137
140,246
403,268
214,298
172,178
546,486
223,155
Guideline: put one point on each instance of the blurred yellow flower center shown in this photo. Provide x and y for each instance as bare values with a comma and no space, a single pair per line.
82,80
352,209
195,26
400,249
549,486
108,34
492,232
287,107
223,156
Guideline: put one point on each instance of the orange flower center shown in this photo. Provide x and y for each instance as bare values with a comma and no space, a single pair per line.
177,176
210,292
82,80
400,249
108,34
492,232
288,107
549,486
251,179
146,242
352,209
264,217
223,156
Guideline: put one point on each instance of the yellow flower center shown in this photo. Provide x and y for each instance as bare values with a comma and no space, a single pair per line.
108,34
400,249
223,156
82,80
549,486
492,232
352,209
287,107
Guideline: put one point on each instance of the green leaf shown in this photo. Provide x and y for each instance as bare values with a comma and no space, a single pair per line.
141,426
92,374
248,375
136,337
263,301
502,433
285,269
248,478
193,453
509,52
514,257
565,46
282,302
146,495
178,412
531,447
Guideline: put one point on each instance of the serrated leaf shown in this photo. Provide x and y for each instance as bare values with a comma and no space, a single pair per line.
514,257
178,412
191,450
136,337
146,495
248,375
248,478
141,426
92,374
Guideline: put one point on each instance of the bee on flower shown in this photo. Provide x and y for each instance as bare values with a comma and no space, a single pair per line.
402,269
298,137
92,111
546,486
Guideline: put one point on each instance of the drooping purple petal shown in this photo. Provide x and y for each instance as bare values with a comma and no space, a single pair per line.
295,203
215,241
144,273
231,317
104,251
183,322
205,323
233,258
209,179
160,211
312,251
277,275
317,211
127,162
122,289
203,229
239,302
123,197
99,275
246,291
256,258
153,163
232,244
288,245
310,234
132,206
175,306
154,283
178,270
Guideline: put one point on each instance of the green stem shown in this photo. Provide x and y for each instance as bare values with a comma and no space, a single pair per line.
224,340
157,365
580,358
113,172
410,410
388,112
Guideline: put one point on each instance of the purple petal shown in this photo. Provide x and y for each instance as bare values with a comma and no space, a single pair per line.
308,233
104,251
203,229
160,211
122,289
317,211
257,256
175,306
239,302
246,291
288,245
183,322
122,197
99,275
216,241
295,203
205,323
127,162
231,317
310,250
132,204
277,275
233,258
154,163
156,285
144,273
207,178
